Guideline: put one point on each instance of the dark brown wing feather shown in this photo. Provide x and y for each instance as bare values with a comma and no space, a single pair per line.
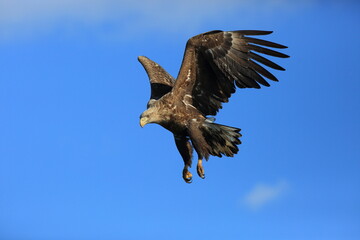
222,61
161,81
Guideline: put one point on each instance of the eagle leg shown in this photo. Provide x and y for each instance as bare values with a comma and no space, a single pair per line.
200,169
185,149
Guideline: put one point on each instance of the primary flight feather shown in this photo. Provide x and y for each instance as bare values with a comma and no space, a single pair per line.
214,64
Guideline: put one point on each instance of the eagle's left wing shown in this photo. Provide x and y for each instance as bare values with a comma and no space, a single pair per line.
216,62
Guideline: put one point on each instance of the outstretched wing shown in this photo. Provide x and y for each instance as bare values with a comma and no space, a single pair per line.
161,82
216,62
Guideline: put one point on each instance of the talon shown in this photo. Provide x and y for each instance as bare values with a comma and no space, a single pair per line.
188,181
200,169
187,176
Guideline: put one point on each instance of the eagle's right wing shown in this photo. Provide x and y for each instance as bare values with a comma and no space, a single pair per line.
161,82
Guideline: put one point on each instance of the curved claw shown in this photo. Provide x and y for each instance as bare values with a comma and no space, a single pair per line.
200,169
188,181
187,176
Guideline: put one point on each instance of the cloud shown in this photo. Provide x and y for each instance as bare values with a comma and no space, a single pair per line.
18,17
262,194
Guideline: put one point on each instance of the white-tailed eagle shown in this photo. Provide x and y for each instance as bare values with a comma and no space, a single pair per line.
214,64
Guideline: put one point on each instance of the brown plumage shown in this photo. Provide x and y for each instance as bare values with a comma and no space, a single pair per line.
214,64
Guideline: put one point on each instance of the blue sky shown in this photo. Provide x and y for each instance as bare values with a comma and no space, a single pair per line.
75,164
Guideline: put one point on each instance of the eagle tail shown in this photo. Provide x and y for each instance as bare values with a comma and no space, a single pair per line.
222,140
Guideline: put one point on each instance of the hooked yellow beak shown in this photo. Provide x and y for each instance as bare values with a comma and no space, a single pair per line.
143,121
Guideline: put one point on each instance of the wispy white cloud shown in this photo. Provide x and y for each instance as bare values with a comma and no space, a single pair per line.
24,16
262,194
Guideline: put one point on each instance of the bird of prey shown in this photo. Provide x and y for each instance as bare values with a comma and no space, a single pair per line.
215,63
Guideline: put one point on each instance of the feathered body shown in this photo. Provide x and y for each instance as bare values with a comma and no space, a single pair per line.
214,64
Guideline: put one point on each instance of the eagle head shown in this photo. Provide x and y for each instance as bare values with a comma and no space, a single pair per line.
150,115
